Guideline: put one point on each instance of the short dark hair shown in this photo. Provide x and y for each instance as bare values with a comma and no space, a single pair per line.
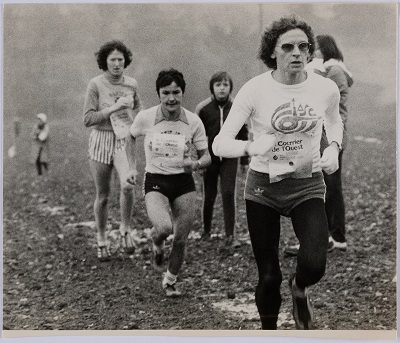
166,77
277,29
329,48
107,48
218,77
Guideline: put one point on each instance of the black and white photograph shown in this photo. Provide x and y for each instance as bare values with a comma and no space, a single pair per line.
220,168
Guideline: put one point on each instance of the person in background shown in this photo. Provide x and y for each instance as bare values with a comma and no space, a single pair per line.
111,103
287,107
327,49
17,126
40,146
213,112
328,62
170,132
12,151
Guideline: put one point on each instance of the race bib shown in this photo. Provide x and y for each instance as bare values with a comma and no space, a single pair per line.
121,121
290,157
168,150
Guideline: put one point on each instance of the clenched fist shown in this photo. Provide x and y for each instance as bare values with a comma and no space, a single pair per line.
329,161
125,102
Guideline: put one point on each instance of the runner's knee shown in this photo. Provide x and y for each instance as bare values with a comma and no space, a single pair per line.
270,282
163,230
310,274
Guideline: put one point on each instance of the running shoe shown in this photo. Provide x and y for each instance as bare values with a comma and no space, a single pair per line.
331,244
336,245
232,242
103,253
339,245
206,236
302,308
128,243
171,291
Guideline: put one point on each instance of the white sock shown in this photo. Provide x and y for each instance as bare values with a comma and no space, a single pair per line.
169,278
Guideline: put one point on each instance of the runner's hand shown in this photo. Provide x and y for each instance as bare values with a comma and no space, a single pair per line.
189,166
329,161
125,102
132,177
262,145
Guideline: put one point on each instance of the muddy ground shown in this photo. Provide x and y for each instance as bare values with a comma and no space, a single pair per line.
53,281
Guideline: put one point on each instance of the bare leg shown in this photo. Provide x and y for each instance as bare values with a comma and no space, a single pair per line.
126,203
183,213
158,210
126,198
102,177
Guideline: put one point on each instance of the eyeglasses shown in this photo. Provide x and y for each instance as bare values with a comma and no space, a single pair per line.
289,47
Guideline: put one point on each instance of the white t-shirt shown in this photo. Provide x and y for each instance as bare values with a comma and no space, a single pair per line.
167,143
293,113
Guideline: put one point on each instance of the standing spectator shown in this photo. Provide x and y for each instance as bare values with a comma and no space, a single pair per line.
12,151
213,113
327,51
111,103
40,146
170,132
287,107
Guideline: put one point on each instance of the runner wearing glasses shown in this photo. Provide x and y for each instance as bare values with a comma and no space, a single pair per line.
287,107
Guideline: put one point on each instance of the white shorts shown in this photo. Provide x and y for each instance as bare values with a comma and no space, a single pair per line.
105,148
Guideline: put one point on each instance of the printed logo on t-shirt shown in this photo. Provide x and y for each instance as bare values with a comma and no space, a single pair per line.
167,150
258,191
188,144
290,118
117,94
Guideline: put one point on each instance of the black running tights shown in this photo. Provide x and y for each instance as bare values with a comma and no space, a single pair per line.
311,228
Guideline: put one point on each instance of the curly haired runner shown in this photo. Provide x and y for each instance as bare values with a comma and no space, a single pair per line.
170,132
287,107
111,103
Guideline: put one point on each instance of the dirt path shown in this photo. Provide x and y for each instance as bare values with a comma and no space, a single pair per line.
52,279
